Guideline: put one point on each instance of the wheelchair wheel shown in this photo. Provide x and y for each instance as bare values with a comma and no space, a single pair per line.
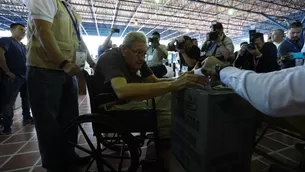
102,159
113,141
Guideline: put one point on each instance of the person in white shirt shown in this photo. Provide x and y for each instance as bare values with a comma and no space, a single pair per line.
156,52
56,53
277,94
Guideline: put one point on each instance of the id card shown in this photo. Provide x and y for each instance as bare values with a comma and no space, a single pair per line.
149,57
81,58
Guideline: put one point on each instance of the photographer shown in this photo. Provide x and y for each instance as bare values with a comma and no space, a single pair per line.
258,56
188,52
218,44
107,43
155,55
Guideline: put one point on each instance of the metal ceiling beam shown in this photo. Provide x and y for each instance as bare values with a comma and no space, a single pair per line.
94,16
84,29
115,13
7,19
15,14
154,15
235,8
135,12
194,12
282,5
303,20
170,34
166,30
183,34
2,24
165,15
274,21
185,5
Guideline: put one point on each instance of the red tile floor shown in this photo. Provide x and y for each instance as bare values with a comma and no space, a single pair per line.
19,151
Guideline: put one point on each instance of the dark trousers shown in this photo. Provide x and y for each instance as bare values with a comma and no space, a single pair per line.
10,90
54,102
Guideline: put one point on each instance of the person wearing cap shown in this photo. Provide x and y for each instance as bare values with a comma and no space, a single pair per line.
222,47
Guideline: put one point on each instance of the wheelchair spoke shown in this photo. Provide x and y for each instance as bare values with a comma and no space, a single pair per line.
116,156
87,138
82,148
108,166
90,164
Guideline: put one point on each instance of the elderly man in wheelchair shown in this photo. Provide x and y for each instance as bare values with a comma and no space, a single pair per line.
123,72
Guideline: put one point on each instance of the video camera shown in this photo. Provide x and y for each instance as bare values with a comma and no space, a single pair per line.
116,30
178,44
153,40
213,36
252,33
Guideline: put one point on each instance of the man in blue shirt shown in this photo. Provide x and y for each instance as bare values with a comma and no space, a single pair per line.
293,43
13,65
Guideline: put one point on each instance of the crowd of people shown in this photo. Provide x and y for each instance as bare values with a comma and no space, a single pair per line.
44,73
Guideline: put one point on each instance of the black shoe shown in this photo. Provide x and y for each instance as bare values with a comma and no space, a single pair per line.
78,161
6,132
29,121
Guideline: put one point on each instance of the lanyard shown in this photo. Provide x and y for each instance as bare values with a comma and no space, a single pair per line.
74,21
255,62
294,46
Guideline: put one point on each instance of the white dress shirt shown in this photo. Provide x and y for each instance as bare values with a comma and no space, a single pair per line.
278,94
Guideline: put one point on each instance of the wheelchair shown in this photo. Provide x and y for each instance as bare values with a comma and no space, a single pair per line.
115,131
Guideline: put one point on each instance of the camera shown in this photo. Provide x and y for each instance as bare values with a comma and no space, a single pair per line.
116,30
252,34
153,40
213,36
177,44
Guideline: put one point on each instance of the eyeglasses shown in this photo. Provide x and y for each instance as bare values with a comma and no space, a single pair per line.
138,53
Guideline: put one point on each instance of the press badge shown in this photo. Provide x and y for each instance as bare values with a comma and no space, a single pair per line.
81,58
150,57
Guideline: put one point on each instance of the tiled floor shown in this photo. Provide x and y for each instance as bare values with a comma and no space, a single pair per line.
19,151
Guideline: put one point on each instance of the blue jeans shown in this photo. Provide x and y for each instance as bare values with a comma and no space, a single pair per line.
54,102
10,90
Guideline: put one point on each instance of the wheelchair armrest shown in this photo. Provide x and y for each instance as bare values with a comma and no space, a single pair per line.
105,100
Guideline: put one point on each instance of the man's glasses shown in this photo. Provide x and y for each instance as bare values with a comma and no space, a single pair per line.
138,53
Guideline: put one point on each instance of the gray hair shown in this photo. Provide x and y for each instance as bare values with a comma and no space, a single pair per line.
281,31
133,37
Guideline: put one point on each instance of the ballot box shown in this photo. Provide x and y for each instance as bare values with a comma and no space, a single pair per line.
212,130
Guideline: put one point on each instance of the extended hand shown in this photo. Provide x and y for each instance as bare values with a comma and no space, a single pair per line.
255,52
189,80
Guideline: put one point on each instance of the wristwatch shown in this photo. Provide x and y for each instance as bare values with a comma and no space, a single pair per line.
219,67
62,64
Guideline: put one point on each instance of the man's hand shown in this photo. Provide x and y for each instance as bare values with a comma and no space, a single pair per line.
189,80
11,76
71,69
255,52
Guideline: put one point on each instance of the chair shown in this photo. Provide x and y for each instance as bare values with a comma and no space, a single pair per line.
121,124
